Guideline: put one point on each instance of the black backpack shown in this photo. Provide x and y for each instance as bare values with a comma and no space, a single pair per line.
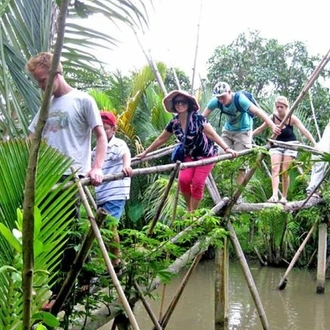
237,105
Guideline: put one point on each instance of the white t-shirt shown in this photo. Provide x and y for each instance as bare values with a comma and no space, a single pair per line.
72,117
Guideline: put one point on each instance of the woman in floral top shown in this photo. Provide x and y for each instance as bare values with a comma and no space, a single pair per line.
199,144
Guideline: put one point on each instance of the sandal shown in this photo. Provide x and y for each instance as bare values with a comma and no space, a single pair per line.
273,199
47,306
87,287
314,195
283,200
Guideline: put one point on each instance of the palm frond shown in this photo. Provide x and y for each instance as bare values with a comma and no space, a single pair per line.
52,221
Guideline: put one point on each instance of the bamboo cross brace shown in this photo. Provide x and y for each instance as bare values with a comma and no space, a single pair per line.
147,307
282,283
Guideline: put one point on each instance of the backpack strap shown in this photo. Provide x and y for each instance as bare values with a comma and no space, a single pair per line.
220,106
236,102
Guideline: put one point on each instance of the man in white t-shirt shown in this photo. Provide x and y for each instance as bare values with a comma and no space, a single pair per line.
73,116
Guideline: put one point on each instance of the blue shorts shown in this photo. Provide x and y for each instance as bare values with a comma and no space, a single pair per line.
115,208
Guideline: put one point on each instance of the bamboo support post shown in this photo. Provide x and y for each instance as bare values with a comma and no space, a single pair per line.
321,258
221,260
90,198
221,297
248,276
283,281
176,79
314,116
164,320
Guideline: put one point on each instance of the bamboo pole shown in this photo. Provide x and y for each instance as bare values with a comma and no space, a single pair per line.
307,86
162,202
321,258
176,79
221,263
283,281
77,265
147,307
313,113
160,168
164,320
196,49
153,66
109,265
30,181
248,276
221,285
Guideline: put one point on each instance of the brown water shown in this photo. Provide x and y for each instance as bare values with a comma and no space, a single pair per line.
298,307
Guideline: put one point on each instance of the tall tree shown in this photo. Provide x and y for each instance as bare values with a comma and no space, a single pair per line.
267,67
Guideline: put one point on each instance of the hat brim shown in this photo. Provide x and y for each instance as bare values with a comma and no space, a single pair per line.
222,94
168,100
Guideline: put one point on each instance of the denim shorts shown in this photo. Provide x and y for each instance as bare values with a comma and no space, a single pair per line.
115,208
283,151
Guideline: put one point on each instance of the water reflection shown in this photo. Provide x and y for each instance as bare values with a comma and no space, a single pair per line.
298,307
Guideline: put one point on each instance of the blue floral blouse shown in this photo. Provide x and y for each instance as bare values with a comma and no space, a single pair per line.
197,145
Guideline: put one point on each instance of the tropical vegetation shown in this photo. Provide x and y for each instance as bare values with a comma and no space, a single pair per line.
263,66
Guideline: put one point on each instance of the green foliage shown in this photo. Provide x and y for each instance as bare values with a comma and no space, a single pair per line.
51,218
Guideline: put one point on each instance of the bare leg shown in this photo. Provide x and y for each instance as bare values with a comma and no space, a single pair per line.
187,197
114,247
194,204
287,160
276,160
241,176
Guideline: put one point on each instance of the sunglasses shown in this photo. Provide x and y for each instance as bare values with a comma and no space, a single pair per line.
180,102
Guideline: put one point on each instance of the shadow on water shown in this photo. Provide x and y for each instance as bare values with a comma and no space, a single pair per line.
298,307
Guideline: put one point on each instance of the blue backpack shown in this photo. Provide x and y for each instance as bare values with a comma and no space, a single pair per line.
237,105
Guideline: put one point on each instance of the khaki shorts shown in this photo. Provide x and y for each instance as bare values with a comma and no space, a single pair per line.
238,140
